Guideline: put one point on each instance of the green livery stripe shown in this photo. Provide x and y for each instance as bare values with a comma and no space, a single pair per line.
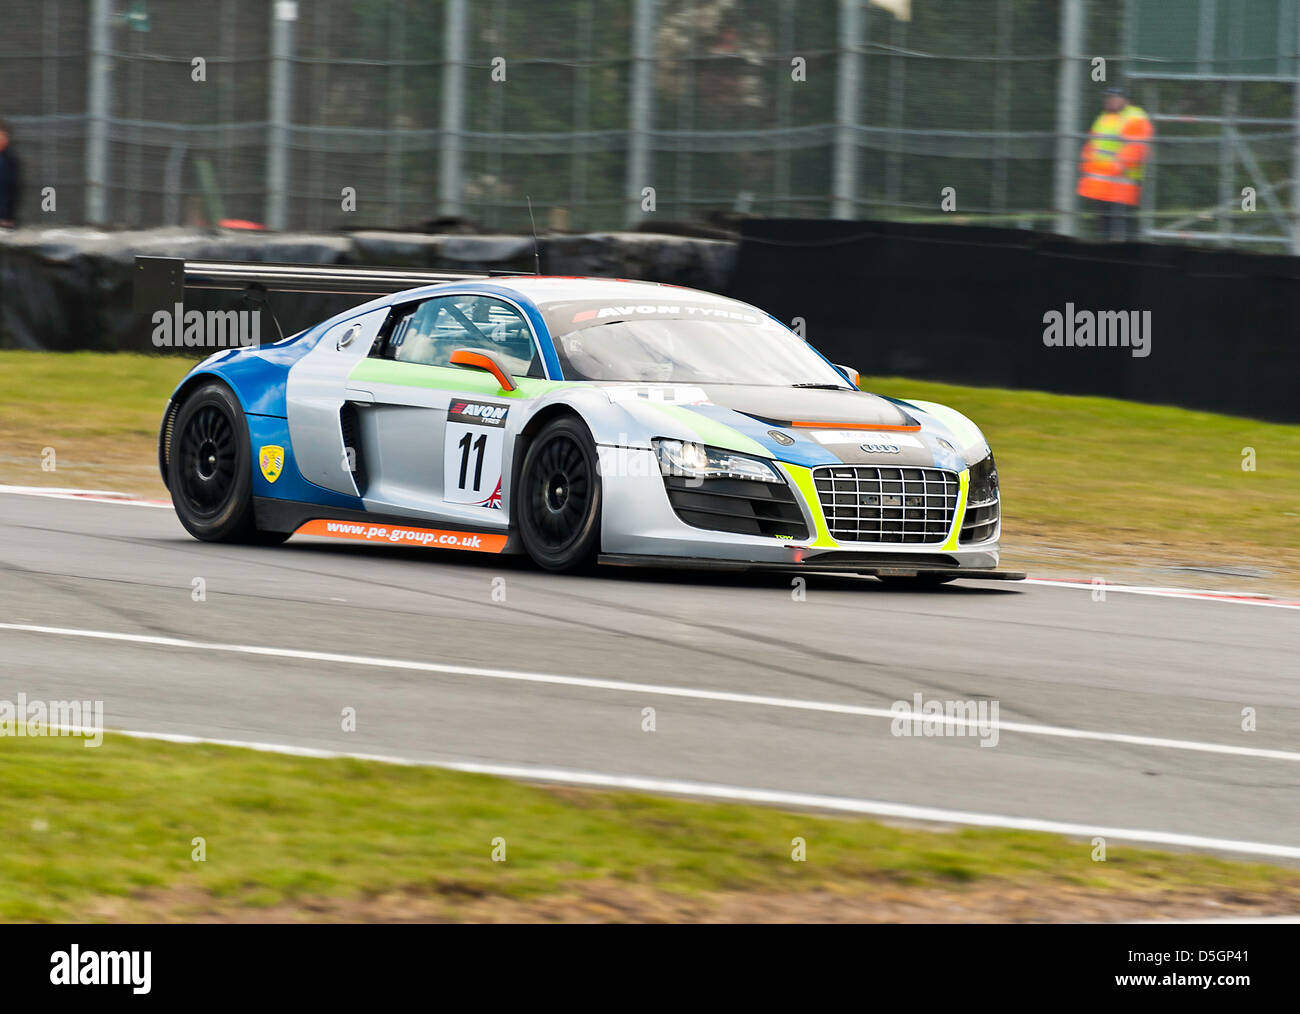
959,515
447,378
803,481
711,432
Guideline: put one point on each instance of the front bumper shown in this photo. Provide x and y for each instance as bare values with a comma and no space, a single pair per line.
639,526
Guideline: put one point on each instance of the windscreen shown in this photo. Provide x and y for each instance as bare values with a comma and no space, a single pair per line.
682,343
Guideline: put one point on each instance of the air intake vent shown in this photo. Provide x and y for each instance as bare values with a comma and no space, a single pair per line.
982,504
980,523
351,428
737,505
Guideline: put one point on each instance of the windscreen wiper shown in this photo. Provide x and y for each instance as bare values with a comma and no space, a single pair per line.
823,387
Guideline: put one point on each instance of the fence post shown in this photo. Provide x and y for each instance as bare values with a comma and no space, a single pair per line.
451,162
1067,114
640,107
393,118
50,87
844,186
1295,141
280,104
99,105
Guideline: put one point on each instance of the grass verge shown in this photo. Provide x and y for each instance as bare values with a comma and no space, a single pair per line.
108,834
98,411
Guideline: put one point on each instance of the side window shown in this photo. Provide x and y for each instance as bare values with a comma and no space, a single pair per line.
431,331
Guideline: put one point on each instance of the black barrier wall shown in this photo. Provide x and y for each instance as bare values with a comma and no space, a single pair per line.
957,303
69,289
967,304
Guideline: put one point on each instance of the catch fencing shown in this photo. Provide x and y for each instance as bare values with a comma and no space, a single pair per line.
605,114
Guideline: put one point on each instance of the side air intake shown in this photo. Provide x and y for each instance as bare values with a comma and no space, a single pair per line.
350,425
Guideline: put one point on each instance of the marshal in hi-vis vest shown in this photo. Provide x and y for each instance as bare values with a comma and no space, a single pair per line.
1110,167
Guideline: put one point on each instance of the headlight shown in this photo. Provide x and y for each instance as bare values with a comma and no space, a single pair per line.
983,482
695,461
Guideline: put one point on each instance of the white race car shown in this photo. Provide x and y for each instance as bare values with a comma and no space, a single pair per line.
578,420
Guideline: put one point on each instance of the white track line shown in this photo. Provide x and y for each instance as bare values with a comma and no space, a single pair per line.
737,793
659,690
1240,598
88,495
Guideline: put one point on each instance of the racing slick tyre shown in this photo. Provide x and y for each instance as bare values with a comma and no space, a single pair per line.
560,497
918,582
209,471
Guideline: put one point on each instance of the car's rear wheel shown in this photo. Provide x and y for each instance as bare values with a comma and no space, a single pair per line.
559,497
209,469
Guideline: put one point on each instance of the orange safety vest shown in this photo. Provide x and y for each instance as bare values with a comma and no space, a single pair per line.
1110,167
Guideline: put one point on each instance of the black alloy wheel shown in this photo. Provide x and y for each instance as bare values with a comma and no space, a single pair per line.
560,497
209,469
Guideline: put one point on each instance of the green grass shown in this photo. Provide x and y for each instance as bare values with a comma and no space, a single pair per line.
98,411
90,395
119,821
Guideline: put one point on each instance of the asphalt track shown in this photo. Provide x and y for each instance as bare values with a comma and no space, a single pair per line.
755,694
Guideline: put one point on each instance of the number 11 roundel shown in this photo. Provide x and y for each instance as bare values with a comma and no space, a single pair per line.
472,451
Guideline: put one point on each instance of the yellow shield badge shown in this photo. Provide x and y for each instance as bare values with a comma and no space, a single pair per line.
271,458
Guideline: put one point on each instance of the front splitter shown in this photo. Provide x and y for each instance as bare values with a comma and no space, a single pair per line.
814,565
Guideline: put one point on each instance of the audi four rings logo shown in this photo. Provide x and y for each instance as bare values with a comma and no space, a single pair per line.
880,448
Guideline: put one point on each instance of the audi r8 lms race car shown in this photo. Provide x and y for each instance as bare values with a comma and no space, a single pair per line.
577,420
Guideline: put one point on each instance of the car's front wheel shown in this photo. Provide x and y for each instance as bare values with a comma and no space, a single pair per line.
559,497
209,471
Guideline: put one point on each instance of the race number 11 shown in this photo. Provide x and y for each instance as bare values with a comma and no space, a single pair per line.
466,444
472,452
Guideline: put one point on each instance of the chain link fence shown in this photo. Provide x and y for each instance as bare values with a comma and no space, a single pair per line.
410,113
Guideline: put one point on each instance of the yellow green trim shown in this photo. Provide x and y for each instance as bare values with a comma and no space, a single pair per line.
803,481
959,515
710,431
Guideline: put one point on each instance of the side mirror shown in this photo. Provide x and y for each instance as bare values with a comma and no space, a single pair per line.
489,361
851,373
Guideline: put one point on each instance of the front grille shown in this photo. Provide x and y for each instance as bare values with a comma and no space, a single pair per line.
742,506
872,503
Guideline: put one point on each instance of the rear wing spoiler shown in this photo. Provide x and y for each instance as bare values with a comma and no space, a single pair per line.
162,281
